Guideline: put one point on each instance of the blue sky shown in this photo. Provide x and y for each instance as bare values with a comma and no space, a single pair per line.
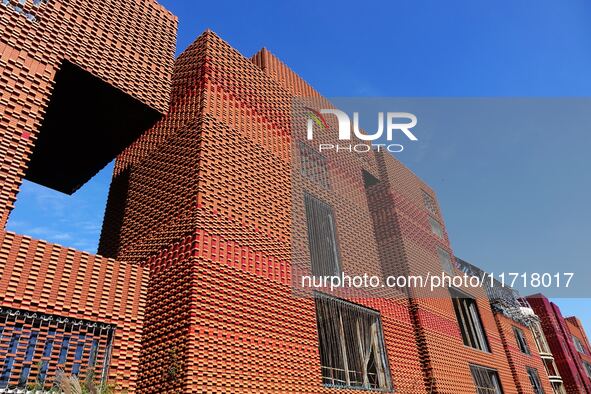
516,202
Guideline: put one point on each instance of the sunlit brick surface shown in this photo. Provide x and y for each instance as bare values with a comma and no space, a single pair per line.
519,361
207,199
128,44
40,277
558,332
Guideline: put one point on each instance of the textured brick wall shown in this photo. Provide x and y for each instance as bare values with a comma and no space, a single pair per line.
575,328
127,44
561,344
46,278
519,361
210,199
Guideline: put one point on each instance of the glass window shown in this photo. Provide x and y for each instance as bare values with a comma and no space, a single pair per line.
324,254
351,344
469,320
534,379
445,260
436,227
486,380
520,338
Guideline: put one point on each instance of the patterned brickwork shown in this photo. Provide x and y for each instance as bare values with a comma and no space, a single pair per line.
518,360
575,328
34,345
560,340
209,199
127,44
40,277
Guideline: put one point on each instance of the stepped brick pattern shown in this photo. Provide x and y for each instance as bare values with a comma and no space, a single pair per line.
49,279
205,237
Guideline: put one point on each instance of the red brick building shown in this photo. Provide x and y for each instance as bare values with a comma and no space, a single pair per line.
568,342
214,213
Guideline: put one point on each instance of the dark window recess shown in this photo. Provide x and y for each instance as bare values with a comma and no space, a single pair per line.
76,139
587,368
430,203
322,240
351,343
469,320
521,342
534,379
314,165
486,380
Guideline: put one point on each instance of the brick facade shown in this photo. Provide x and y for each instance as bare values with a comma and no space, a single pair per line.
560,339
205,233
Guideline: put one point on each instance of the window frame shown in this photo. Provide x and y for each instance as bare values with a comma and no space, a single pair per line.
473,336
521,340
491,374
339,354
534,379
317,267
579,345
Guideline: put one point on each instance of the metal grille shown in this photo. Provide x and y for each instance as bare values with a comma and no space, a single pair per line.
324,254
351,345
34,346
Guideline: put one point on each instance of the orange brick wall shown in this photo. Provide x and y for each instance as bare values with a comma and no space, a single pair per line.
575,327
128,44
211,192
48,278
518,360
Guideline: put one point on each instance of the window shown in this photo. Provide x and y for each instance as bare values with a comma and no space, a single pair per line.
579,345
558,388
587,368
324,255
445,260
534,379
313,166
469,320
486,380
351,344
64,350
540,338
430,203
36,344
9,361
436,227
521,342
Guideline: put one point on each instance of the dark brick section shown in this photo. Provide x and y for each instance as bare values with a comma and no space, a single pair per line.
559,333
